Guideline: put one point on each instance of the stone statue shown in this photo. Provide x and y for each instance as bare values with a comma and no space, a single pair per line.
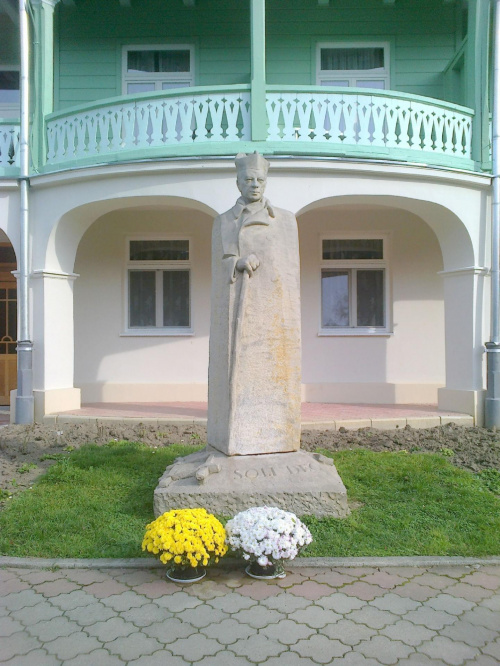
252,457
254,371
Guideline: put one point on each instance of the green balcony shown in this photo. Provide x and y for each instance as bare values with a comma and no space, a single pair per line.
301,121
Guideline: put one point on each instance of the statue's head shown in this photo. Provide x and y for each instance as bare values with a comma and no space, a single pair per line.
251,176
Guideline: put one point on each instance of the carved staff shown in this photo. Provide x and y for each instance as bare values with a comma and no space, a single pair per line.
234,359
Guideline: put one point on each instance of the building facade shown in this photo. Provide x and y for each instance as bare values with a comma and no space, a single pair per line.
374,115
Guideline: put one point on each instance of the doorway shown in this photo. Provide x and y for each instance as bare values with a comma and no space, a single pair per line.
8,322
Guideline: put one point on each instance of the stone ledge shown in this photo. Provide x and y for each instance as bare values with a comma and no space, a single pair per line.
418,561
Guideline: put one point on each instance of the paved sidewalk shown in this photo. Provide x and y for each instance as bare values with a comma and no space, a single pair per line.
356,616
314,414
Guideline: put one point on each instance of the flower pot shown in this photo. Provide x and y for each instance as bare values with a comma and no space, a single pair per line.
186,575
269,572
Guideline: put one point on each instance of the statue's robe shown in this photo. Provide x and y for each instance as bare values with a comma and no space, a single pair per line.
254,371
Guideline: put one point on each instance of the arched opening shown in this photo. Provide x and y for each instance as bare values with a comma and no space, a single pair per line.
428,342
142,305
386,345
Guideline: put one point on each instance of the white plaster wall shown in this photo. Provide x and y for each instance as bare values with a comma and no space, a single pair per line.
414,353
405,367
110,366
454,204
106,362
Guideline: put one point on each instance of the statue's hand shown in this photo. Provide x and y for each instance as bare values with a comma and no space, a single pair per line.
248,264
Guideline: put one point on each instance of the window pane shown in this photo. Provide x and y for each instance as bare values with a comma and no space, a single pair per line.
159,250
133,88
3,319
370,83
12,317
141,61
174,61
142,298
149,61
370,308
340,83
334,298
356,248
367,58
176,298
167,85
9,87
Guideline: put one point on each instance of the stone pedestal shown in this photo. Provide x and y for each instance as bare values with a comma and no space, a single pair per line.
301,482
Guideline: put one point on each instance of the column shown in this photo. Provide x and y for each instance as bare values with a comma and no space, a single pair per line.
53,336
476,78
464,298
258,69
43,61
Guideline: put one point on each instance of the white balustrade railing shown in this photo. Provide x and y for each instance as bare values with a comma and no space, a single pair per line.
379,123
9,144
152,121
368,120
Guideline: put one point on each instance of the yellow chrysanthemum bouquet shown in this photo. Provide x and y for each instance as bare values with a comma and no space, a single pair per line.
186,539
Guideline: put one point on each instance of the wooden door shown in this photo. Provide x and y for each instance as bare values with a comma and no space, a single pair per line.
8,341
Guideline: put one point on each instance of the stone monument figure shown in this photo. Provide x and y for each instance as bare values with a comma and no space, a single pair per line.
252,457
254,369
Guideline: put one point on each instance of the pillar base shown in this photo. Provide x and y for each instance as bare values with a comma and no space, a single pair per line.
56,400
463,401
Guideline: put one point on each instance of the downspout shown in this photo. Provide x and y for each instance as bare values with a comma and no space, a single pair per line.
24,397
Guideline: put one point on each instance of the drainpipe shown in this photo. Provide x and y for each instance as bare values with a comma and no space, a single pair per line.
24,398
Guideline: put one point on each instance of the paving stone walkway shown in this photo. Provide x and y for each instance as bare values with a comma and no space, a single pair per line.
314,415
365,616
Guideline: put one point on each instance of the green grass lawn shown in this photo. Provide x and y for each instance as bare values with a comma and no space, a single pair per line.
96,501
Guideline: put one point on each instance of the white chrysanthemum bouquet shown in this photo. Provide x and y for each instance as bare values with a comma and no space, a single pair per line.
267,535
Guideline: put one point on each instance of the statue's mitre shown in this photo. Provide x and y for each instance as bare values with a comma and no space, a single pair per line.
251,161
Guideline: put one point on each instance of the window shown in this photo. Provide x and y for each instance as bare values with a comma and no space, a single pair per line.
354,285
158,284
353,65
9,91
150,68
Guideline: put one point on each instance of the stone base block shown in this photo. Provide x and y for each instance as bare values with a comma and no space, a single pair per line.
301,482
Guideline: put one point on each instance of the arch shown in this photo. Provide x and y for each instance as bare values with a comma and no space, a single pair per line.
453,236
67,233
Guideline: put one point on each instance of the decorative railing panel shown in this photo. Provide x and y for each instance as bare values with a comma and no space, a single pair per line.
159,120
375,120
302,121
9,144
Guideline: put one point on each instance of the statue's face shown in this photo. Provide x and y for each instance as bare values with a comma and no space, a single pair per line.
252,183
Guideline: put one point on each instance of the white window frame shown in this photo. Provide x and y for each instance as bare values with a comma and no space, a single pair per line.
351,265
352,74
158,78
10,109
159,267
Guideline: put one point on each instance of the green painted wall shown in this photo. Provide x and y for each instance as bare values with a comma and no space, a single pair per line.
421,32
88,48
